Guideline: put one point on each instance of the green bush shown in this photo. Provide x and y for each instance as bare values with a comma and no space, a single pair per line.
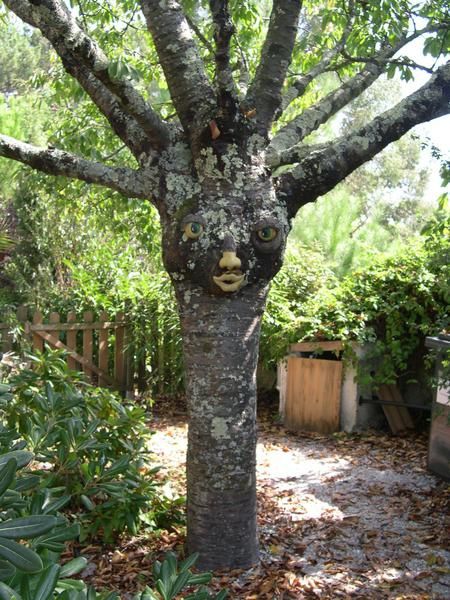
301,278
31,568
33,536
88,442
390,306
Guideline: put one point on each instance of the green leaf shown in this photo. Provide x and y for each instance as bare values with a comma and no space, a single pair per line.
147,594
87,502
7,474
21,557
6,593
26,483
73,567
47,583
200,579
180,582
27,527
6,570
56,505
189,562
54,539
71,584
22,457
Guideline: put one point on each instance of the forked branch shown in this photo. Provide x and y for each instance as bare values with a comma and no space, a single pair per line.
322,167
85,61
130,183
223,32
183,68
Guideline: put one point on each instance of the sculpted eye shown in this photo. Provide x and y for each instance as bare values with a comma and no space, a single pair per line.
193,230
267,234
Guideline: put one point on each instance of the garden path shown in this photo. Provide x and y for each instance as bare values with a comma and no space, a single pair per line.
340,516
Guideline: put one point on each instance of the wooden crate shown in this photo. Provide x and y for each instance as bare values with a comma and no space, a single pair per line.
313,394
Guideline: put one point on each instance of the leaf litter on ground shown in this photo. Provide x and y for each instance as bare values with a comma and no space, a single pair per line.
340,516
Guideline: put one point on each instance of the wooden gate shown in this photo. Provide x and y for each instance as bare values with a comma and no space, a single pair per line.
313,394
98,347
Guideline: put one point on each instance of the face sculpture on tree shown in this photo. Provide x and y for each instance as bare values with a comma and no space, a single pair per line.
225,248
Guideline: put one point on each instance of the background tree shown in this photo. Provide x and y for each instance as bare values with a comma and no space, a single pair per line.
224,186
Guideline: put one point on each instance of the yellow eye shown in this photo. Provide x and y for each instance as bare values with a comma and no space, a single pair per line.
267,234
193,230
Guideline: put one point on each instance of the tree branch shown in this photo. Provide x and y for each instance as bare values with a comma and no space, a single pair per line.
124,126
223,32
405,61
84,60
298,86
130,183
183,68
311,119
264,93
324,166
196,29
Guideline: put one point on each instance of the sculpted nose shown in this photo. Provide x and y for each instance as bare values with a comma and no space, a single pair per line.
229,259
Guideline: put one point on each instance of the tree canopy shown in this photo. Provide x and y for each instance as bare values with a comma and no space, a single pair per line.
233,57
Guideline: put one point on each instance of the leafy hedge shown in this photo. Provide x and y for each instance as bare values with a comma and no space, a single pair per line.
88,443
391,305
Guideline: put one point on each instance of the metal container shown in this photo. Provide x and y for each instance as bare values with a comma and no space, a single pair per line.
439,442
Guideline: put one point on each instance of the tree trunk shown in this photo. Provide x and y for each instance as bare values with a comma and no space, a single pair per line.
221,337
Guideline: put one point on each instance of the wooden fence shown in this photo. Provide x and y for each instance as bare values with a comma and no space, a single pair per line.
98,347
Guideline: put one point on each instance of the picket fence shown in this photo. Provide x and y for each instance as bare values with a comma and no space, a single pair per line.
99,348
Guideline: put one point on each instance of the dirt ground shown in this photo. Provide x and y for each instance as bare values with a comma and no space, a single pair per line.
339,517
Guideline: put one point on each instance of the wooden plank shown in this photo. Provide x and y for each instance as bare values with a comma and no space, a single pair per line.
103,349
54,318
330,346
37,340
313,394
71,339
119,358
51,339
88,345
398,417
79,326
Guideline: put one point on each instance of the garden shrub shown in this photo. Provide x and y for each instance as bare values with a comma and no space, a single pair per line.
303,274
33,536
88,442
390,306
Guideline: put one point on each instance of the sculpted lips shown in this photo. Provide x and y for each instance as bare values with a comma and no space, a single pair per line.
230,281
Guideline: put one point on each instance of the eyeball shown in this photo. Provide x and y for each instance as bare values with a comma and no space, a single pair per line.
267,234
193,230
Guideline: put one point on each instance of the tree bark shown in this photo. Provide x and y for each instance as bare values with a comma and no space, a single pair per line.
221,337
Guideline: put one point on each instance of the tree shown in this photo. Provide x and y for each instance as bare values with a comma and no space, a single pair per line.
225,188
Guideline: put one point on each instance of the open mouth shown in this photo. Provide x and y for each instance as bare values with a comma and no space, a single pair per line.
229,281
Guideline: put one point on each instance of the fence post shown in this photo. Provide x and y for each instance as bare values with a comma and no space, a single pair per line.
71,340
103,349
36,340
88,317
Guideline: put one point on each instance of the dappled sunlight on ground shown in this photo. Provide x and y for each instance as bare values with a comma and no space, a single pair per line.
339,517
